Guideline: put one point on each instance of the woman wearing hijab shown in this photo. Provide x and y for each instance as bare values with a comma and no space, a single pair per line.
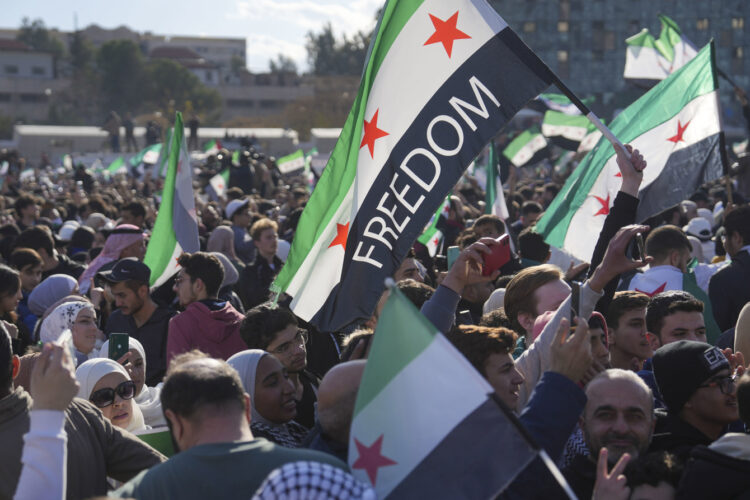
271,397
231,277
107,385
221,240
126,240
80,318
147,398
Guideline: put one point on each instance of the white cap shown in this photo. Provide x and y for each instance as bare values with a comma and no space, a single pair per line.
235,205
699,227
66,231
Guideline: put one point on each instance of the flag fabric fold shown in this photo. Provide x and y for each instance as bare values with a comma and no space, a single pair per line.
470,448
291,162
494,197
677,128
396,159
565,131
648,59
176,226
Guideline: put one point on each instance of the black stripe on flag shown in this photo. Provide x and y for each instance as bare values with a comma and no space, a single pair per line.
481,456
685,170
513,74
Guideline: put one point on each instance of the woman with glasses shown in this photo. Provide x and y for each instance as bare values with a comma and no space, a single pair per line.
271,397
108,386
147,398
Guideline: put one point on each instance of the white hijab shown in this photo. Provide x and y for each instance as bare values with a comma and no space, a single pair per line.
246,364
61,319
148,399
92,371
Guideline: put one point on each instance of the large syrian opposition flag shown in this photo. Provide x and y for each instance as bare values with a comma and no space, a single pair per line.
564,130
176,226
648,60
526,148
425,422
441,78
677,128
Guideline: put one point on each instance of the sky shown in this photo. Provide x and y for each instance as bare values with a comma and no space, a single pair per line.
270,26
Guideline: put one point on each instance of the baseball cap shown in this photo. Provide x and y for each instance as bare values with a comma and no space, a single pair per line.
127,269
699,227
235,205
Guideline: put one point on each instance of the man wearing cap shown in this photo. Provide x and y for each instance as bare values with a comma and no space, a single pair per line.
138,315
700,229
239,214
697,385
729,288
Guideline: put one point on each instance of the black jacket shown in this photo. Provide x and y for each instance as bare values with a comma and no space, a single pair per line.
256,279
729,290
729,476
676,436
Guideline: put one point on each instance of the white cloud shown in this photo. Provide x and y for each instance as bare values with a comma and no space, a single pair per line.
262,48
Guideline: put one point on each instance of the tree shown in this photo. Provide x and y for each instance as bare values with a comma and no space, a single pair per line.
328,56
170,86
282,64
120,64
36,35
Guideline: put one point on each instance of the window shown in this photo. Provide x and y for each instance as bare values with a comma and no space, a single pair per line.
33,98
11,69
738,53
37,70
702,24
529,27
562,26
270,103
562,56
738,23
209,76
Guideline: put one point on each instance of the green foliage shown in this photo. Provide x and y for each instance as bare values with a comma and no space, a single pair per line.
282,64
120,64
36,35
328,56
170,86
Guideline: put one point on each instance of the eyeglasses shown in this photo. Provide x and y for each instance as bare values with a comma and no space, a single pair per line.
300,339
726,384
105,397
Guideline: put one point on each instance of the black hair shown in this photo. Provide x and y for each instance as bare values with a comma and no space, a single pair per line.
37,239
205,266
738,220
263,322
667,303
531,245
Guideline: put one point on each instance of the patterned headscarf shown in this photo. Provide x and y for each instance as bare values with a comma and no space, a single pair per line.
113,247
61,319
306,479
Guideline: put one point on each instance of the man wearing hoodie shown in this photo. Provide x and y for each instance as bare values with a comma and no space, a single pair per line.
207,323
726,461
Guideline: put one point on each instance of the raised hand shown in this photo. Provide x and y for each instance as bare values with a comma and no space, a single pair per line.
611,485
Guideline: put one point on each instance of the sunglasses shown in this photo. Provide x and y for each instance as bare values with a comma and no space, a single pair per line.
105,397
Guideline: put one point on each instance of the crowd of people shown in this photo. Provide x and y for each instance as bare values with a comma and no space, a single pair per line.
627,369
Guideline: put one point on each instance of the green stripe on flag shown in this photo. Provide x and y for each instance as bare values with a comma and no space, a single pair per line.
116,165
340,171
659,105
669,37
399,314
642,39
163,241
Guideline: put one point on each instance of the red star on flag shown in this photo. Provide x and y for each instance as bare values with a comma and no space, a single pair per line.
372,134
436,241
618,174
657,291
446,32
605,205
680,131
342,232
370,459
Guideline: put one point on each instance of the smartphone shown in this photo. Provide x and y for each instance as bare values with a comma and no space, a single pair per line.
464,318
119,345
499,257
452,255
637,248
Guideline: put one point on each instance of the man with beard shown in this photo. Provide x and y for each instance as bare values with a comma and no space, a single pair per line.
138,315
275,330
619,416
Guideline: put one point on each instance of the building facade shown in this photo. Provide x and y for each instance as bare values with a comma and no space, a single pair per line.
583,41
